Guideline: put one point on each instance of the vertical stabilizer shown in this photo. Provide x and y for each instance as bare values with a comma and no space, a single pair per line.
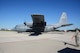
63,19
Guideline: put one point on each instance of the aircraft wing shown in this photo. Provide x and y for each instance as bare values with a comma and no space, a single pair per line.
38,22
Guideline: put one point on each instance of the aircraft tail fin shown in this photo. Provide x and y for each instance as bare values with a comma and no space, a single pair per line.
63,20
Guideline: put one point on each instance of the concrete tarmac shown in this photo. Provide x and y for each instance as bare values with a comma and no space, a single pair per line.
51,42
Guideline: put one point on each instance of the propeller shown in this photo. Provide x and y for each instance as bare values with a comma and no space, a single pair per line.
25,23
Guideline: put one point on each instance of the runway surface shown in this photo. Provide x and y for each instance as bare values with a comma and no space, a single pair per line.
52,42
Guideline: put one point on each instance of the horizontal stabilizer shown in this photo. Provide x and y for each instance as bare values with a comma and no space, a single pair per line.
66,25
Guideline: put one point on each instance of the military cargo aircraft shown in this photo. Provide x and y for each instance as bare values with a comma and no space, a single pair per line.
39,24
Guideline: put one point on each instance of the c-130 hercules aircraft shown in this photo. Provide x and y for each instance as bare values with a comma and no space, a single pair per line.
39,24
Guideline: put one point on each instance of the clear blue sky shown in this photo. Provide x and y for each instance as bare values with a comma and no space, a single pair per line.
13,12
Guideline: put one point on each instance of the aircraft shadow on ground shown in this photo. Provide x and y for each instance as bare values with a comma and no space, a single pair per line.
34,34
69,50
